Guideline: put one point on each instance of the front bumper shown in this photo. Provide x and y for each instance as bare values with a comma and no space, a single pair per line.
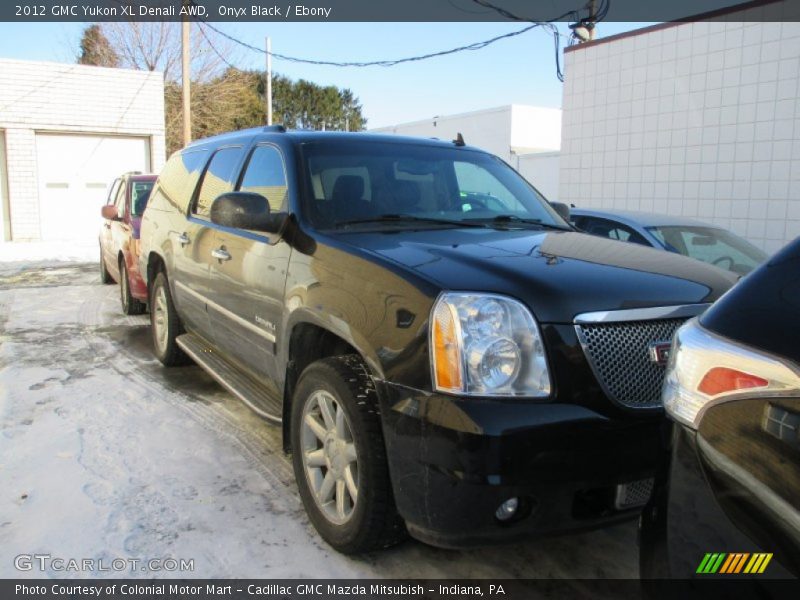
453,461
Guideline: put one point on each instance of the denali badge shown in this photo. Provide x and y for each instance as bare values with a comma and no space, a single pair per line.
659,352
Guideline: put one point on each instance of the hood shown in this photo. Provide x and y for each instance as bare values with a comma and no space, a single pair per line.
557,274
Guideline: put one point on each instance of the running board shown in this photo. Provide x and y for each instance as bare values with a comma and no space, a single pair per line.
256,395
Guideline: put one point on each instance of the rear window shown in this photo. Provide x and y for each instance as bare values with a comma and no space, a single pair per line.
178,179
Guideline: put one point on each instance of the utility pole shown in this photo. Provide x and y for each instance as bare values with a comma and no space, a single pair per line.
186,79
268,92
592,16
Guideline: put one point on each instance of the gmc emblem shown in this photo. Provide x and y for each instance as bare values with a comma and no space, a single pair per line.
659,352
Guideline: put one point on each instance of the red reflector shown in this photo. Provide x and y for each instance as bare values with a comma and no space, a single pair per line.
721,379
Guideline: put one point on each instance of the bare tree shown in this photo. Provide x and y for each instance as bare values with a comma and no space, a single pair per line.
156,46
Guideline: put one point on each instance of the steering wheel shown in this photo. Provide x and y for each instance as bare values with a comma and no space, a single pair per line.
475,204
722,259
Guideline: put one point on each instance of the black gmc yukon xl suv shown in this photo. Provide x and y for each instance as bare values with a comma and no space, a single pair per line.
446,355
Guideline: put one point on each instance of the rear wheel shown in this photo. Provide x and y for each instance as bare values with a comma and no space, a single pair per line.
339,457
165,323
130,305
105,276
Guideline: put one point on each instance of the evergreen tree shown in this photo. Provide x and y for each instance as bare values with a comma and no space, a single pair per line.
96,49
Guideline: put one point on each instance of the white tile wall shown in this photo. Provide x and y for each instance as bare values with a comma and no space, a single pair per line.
40,96
699,119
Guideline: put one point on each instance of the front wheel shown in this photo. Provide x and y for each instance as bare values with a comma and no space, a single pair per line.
339,457
165,323
105,276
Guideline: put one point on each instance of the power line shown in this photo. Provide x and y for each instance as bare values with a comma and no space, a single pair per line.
376,63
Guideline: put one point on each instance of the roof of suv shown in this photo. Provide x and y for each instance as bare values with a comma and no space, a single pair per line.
300,136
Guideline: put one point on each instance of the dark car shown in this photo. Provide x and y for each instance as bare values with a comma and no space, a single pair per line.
682,235
729,504
119,239
445,354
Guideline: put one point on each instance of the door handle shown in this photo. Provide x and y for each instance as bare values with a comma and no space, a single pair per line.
220,253
183,239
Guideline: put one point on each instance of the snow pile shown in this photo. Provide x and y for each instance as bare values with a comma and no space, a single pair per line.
43,252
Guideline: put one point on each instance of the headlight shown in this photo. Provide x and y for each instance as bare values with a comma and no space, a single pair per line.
486,345
705,369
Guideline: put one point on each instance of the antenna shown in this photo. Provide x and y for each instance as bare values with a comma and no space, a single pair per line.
459,141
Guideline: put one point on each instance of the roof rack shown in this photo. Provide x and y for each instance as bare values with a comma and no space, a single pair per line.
275,128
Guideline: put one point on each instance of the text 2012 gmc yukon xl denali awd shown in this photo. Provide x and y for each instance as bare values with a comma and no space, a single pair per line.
447,356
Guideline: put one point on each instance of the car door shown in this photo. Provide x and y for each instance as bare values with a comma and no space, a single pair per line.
246,296
114,229
105,230
195,241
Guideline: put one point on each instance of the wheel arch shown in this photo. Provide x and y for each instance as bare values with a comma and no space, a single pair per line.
309,339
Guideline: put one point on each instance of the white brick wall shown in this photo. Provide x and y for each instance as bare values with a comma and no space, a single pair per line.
54,97
698,119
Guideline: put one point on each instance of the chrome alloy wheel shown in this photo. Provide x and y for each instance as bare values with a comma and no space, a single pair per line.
329,456
161,318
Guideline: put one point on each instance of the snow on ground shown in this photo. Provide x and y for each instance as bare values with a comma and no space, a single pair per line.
106,454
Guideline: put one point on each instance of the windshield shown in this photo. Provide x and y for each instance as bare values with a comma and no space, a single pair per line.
712,245
373,185
140,192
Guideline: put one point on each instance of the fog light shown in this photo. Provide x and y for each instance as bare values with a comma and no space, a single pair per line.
507,509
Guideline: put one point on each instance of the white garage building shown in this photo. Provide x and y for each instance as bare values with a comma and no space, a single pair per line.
66,131
526,137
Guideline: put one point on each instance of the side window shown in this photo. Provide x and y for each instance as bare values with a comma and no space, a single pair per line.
613,231
112,192
178,178
265,175
219,178
120,201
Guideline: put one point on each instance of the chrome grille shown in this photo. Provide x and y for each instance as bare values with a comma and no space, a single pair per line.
619,356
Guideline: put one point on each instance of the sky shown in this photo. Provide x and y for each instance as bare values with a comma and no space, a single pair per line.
519,70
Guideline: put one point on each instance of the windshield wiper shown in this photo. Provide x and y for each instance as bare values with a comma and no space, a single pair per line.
502,219
399,218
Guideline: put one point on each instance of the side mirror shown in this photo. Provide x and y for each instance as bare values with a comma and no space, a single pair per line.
109,211
246,210
562,210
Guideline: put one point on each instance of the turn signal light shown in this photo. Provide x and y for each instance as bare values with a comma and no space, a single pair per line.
722,379
446,350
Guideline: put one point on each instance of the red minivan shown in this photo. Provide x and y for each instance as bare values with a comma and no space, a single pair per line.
119,238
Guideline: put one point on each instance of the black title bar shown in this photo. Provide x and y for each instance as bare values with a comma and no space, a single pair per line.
391,10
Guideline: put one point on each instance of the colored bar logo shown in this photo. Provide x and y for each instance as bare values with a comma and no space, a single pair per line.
734,563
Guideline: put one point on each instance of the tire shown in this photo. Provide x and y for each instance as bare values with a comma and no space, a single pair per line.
130,305
165,324
351,453
105,276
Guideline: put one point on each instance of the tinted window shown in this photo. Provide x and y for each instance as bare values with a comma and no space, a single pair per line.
612,230
265,175
357,181
218,179
178,179
140,193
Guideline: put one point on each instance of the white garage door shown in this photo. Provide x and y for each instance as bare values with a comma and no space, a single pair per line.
75,172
